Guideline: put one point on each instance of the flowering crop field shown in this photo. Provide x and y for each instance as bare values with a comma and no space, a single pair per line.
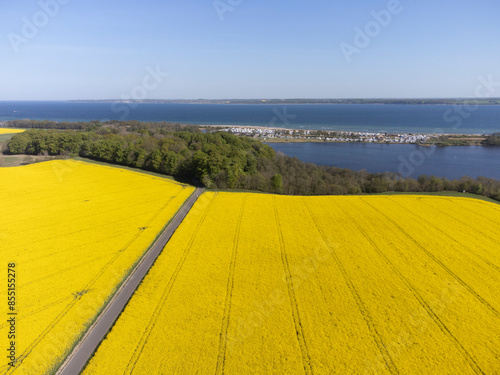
10,131
258,284
70,232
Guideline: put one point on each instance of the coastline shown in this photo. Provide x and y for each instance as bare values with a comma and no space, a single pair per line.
282,135
273,134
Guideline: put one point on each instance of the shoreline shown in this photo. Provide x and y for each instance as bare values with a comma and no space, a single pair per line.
283,135
338,131
274,134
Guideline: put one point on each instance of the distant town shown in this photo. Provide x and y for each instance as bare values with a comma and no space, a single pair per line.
273,135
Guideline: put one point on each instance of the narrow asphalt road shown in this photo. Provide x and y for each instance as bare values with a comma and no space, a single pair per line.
76,361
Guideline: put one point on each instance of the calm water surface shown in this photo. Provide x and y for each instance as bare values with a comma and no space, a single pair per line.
409,160
352,117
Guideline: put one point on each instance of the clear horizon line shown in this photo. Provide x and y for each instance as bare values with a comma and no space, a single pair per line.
242,99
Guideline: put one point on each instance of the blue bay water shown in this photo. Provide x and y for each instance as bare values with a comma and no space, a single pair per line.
352,117
450,162
408,160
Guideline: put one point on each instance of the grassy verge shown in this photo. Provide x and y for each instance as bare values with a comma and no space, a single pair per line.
5,137
439,194
443,194
20,160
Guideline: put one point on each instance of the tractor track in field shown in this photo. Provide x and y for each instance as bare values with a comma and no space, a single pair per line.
76,298
82,352
492,265
38,310
377,338
306,358
41,336
446,213
493,206
166,292
461,222
61,315
87,244
440,263
89,216
484,218
221,358
468,357
140,231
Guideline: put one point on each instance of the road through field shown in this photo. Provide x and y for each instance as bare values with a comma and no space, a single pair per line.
96,333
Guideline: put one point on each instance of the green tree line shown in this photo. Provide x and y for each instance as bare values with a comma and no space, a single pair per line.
492,140
225,161
131,125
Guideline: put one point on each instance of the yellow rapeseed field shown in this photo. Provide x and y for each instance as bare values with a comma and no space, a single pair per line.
71,231
10,130
261,284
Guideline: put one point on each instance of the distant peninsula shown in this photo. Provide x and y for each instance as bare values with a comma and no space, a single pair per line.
422,101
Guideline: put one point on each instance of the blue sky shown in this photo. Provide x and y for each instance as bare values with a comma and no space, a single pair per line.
247,49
